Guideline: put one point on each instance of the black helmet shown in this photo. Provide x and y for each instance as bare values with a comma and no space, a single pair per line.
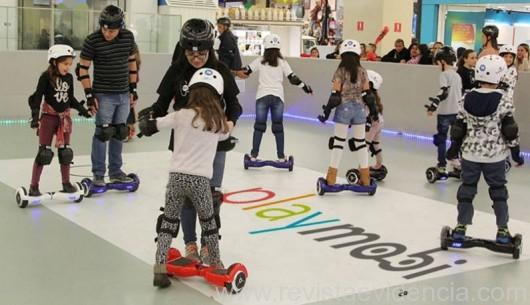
491,31
111,17
197,35
224,21
446,54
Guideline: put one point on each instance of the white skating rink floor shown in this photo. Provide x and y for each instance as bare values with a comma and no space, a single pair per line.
299,247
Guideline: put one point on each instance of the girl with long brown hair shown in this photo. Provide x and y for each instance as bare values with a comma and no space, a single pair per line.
198,127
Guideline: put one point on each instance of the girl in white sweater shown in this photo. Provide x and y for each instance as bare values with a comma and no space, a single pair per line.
197,130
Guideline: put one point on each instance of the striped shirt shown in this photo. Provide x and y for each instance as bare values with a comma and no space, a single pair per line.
110,58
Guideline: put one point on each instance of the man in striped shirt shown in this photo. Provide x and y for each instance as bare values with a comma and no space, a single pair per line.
112,91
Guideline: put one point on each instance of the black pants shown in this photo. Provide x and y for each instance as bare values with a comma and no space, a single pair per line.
495,176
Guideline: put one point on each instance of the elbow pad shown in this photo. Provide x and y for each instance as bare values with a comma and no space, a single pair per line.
444,93
509,128
294,80
369,100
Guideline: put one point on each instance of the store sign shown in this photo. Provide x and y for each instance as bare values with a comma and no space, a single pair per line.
463,35
360,26
397,27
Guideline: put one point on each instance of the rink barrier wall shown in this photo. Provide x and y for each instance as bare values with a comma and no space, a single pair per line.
405,89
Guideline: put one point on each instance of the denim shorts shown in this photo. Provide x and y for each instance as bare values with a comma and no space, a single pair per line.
350,113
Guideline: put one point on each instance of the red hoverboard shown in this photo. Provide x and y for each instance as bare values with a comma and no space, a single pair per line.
233,278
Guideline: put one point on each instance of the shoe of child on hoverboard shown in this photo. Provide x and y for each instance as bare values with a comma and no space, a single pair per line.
249,162
70,192
233,278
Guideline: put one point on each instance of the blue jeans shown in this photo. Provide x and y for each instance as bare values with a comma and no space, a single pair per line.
113,109
263,105
188,215
350,113
444,122
495,176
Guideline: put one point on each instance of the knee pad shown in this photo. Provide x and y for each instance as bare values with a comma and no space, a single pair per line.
121,132
498,193
372,148
261,127
353,144
209,221
458,130
44,156
217,201
438,139
339,145
167,225
66,155
106,132
277,127
464,196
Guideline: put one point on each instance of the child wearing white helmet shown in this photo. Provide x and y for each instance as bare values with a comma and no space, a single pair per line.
350,94
198,127
373,135
270,96
509,80
484,134
52,116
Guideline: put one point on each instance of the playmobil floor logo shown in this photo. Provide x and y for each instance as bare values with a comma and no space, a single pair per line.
363,245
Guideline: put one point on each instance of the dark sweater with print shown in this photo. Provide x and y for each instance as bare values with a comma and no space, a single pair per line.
59,94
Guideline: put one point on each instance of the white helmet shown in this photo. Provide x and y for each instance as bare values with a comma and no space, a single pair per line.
490,69
60,50
208,78
350,45
505,49
272,41
375,78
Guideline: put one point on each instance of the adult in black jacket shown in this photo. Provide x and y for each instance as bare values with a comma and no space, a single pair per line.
228,50
399,54
195,51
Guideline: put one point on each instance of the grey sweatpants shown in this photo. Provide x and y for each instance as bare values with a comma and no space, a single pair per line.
495,176
197,189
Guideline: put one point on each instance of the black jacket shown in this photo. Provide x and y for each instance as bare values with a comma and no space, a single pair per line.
468,78
229,51
396,57
174,86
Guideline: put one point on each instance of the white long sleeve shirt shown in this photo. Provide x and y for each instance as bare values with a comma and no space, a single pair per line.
194,149
270,78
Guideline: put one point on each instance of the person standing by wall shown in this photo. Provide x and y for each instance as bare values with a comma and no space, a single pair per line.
112,92
228,50
399,54
523,58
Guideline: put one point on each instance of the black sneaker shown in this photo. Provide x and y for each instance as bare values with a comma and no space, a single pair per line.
459,233
69,188
34,191
99,181
503,235
121,178
161,280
